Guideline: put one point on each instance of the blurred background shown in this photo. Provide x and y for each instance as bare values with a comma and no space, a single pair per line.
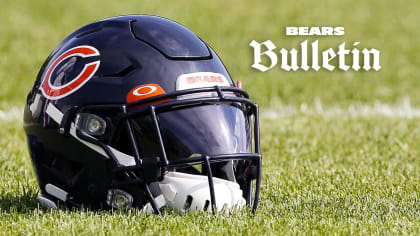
30,30
341,149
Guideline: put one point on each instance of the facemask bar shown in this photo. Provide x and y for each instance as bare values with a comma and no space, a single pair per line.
162,161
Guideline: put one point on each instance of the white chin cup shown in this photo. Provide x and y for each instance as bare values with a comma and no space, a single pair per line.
187,192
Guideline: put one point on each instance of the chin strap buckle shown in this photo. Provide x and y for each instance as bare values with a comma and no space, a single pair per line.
188,192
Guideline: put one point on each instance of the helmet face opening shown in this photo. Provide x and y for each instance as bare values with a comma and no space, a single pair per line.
196,131
204,130
213,136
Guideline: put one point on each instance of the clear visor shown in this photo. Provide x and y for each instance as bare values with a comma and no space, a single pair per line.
201,130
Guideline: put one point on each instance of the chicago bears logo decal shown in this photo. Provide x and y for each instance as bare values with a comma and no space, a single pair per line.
56,92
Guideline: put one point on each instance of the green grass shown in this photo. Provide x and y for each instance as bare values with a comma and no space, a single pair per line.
321,174
30,30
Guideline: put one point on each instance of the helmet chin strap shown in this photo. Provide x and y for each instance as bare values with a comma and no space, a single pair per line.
188,192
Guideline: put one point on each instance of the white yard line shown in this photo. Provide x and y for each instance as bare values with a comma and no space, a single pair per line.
403,110
14,113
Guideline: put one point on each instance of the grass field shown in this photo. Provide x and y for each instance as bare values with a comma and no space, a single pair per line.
335,162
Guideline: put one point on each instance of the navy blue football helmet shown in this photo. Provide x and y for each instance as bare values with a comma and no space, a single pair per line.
137,111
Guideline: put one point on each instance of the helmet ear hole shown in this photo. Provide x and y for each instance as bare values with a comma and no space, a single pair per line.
188,202
66,170
206,205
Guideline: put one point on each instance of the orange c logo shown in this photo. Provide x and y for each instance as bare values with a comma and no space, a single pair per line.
56,92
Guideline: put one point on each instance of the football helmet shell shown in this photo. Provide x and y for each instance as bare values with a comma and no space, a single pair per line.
128,108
